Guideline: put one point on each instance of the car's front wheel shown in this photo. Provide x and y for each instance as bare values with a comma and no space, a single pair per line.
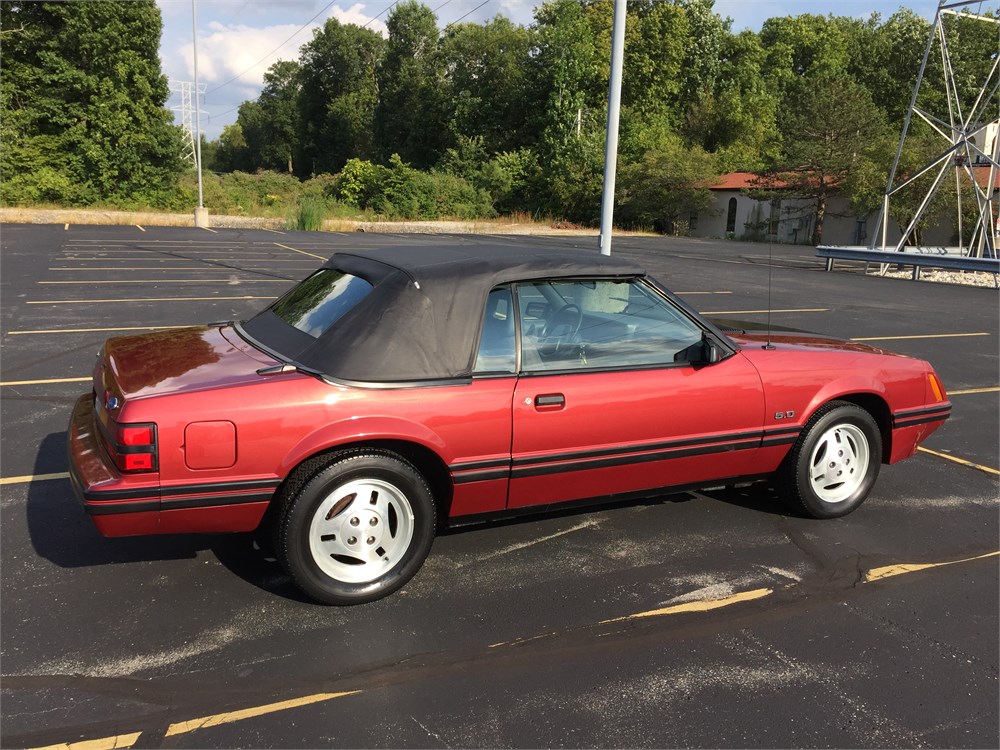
832,468
358,529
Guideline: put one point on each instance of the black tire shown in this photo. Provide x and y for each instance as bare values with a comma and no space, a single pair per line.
356,527
833,465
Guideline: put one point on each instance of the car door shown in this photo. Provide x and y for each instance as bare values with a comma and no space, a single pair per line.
614,396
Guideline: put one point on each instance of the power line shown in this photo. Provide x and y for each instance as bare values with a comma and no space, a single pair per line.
296,33
465,16
374,18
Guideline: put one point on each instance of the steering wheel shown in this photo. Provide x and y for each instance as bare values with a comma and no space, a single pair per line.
559,330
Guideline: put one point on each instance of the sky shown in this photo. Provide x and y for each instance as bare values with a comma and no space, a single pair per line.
239,39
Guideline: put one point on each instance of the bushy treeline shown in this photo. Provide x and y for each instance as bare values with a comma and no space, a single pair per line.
518,113
475,119
82,119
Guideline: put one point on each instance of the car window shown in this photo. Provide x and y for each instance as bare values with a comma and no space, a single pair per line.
496,343
601,324
320,300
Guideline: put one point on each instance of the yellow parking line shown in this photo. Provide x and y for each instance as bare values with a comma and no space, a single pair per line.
311,255
46,382
65,227
139,228
922,336
967,391
95,330
34,478
275,231
699,606
105,743
761,312
166,281
227,718
962,461
135,299
888,571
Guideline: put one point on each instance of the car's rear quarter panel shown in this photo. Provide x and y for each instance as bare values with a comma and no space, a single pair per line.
282,420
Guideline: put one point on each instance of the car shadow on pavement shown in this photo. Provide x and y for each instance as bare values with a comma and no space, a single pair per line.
61,532
250,557
759,497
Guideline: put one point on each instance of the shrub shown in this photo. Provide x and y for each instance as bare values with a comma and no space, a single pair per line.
311,213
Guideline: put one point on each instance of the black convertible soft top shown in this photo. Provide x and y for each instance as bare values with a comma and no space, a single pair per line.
422,318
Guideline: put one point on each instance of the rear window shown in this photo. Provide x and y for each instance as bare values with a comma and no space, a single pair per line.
321,300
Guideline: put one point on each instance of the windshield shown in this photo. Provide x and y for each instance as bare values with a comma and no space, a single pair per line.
321,300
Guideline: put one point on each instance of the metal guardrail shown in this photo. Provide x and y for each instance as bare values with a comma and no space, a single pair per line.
917,260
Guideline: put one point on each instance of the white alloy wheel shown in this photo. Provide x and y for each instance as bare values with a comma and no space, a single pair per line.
839,462
354,526
832,467
361,530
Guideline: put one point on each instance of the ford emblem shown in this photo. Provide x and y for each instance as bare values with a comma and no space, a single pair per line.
112,403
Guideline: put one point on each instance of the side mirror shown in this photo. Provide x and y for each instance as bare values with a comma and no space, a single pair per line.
711,353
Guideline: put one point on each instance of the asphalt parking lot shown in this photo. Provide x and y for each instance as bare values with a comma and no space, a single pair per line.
710,619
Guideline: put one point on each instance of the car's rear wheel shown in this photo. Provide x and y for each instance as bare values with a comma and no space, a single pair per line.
832,468
358,529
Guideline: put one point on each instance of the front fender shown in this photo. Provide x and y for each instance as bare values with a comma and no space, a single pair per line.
844,386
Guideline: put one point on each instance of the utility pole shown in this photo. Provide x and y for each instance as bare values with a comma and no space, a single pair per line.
200,213
611,143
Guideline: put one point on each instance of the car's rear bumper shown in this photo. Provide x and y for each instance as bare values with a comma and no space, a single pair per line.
118,505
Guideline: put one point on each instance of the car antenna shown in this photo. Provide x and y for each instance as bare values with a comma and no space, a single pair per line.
770,245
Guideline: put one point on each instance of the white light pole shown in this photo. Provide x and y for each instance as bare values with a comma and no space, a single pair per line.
200,213
611,144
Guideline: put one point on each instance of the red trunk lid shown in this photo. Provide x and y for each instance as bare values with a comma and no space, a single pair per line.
179,359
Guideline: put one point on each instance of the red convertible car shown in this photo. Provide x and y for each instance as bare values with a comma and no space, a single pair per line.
400,388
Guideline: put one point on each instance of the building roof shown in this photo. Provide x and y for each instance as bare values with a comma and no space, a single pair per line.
752,181
746,181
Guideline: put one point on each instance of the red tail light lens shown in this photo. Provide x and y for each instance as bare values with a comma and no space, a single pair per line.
138,434
138,462
135,448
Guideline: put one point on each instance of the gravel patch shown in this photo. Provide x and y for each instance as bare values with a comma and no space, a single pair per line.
968,278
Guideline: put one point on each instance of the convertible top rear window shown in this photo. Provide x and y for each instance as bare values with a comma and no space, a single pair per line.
321,300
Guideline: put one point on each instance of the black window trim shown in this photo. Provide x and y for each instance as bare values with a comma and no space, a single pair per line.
727,345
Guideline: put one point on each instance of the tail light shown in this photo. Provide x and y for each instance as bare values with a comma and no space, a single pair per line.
136,447
131,446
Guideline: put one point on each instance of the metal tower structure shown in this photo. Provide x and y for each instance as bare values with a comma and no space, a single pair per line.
967,127
188,110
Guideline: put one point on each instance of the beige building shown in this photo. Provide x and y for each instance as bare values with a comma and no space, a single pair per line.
735,215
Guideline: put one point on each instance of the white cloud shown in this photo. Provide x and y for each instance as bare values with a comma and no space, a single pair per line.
245,52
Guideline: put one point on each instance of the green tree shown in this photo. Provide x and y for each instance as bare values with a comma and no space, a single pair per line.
271,130
667,187
488,94
231,152
410,112
885,56
834,129
569,73
82,100
338,96
805,46
737,118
